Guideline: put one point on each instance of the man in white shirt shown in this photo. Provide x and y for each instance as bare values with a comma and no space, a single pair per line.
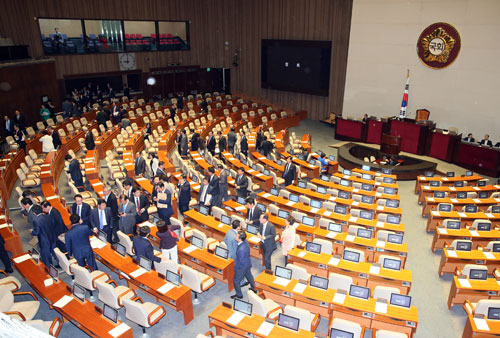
47,142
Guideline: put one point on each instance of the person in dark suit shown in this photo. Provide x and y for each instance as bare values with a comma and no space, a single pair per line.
140,164
211,143
243,143
231,140
19,137
267,234
75,171
27,204
115,113
127,188
266,146
486,141
19,119
242,265
253,212
195,142
290,172
259,139
112,204
42,228
127,214
184,143
8,126
222,143
469,138
101,219
78,243
81,209
164,204
241,182
365,118
213,187
204,105
58,225
141,205
101,118
4,257
223,185
180,101
142,246
56,140
89,141
173,111
184,194
203,196
161,169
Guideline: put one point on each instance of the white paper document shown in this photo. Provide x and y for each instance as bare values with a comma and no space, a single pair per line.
353,219
380,224
301,254
332,198
339,298
380,207
380,244
378,194
299,288
435,213
430,199
453,188
327,213
481,324
452,253
138,272
489,255
355,203
265,328
375,270
281,281
331,234
235,318
489,215
119,330
165,288
314,210
148,224
476,200
254,239
442,231
474,233
426,187
63,301
266,195
454,200
464,282
240,208
290,203
189,249
462,214
349,238
48,282
334,261
22,258
355,190
381,307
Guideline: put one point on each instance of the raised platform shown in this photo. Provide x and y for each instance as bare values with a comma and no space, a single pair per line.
352,155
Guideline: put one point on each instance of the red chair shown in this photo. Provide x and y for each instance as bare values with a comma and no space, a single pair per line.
132,36
139,36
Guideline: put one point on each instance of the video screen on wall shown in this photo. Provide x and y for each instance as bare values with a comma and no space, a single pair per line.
296,65
75,36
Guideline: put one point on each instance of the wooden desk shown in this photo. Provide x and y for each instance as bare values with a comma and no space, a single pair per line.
442,235
431,203
452,259
306,142
83,315
428,191
377,195
333,166
436,217
471,330
178,298
323,264
11,238
376,184
446,181
484,160
268,164
413,135
248,326
265,182
374,173
479,289
350,130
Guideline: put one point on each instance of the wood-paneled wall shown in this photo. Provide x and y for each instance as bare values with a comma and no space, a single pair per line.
218,29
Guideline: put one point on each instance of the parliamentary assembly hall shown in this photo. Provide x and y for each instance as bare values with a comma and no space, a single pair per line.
249,168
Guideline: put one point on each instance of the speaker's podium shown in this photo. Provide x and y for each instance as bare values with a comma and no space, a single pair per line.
390,144
413,135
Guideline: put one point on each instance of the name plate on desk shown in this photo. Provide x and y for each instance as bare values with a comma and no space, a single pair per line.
235,318
339,298
119,330
464,282
381,307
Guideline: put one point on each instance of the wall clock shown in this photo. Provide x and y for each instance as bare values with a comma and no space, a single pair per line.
127,61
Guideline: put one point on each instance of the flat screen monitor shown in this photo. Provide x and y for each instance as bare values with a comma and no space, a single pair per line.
204,210
366,187
366,215
173,278
321,190
351,256
453,225
464,246
393,264
439,194
395,238
282,272
102,236
344,183
35,255
483,194
315,204
319,282
483,226
388,180
309,221
340,209
274,192
252,229
331,157
262,207
367,199
53,272
461,195
337,333
496,247
367,177
302,184
267,172
293,198
241,200
279,162
121,249
450,174
445,207
359,291
429,174
194,178
145,263
197,242
242,306
364,233
387,171
478,274
225,219
221,252
481,183
283,214
459,184
312,162
392,203
400,300
313,247
344,195
434,183
335,227
389,191
468,173
471,208
393,219
495,209
347,172
110,313
254,167
288,322
366,167
325,178
244,161
79,292
494,313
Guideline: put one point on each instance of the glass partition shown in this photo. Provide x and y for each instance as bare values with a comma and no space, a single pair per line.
103,36
140,35
61,35
173,35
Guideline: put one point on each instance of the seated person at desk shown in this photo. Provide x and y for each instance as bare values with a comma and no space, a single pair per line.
486,141
142,246
324,163
303,154
469,138
365,118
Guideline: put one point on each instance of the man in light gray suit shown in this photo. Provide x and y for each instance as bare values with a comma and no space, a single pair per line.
27,204
127,213
231,140
223,187
184,143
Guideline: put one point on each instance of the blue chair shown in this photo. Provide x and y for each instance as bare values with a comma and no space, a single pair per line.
43,37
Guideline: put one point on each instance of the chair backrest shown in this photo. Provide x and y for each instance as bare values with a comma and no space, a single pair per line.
303,315
201,235
63,261
20,174
258,304
107,294
166,264
191,278
326,246
383,234
469,267
218,212
348,326
82,277
6,298
382,258
483,306
491,243
337,281
422,114
124,240
384,292
136,312
298,272
477,221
